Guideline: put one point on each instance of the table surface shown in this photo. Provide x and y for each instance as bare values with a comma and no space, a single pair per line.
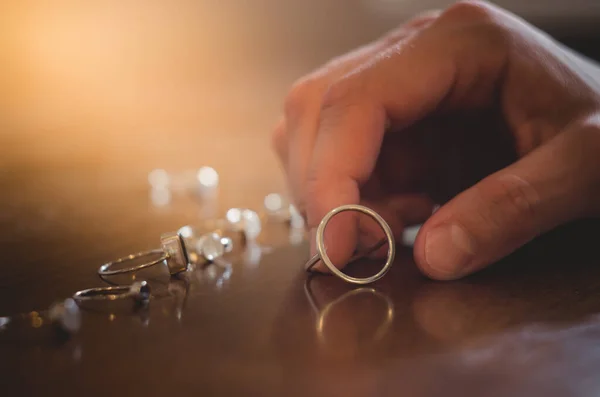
524,327
81,133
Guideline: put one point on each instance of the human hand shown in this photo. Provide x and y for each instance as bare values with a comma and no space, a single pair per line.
471,108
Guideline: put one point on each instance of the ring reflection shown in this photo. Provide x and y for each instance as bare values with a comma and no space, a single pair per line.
353,321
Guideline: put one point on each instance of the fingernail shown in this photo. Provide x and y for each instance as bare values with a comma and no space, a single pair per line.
449,250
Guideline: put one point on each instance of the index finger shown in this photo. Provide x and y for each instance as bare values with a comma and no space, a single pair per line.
406,83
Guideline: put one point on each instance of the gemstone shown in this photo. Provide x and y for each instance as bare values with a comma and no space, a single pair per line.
177,258
140,290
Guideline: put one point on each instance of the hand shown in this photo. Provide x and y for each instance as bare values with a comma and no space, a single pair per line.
470,108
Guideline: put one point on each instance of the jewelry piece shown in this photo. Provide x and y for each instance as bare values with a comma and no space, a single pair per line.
278,209
173,252
212,246
66,315
207,247
322,255
244,221
63,316
139,291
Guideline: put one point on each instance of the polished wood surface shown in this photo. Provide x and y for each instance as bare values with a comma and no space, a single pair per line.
75,194
523,327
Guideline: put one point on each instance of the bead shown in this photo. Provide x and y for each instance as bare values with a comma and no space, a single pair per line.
207,177
273,203
244,220
212,246
296,220
66,315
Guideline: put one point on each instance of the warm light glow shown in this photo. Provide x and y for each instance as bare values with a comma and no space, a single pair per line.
158,179
273,202
160,197
252,224
186,232
208,177
234,215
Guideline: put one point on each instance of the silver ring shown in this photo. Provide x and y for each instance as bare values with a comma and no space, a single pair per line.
139,291
322,255
173,252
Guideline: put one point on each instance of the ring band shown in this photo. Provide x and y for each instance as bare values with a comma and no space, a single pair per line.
173,252
139,291
105,269
322,255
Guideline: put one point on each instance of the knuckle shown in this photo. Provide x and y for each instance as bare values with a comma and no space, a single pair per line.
424,18
300,95
338,95
469,10
412,26
514,200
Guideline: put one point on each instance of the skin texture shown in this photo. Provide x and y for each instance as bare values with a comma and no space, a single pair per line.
470,108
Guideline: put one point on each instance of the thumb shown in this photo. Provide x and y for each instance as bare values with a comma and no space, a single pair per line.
548,187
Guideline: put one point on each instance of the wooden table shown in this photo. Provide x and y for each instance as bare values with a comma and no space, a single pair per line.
80,141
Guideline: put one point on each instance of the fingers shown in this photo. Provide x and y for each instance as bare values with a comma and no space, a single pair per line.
302,109
406,85
548,187
294,138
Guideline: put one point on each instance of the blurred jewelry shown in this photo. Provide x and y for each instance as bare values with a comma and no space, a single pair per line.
278,209
244,221
207,247
66,315
63,316
321,255
139,291
173,253
212,246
